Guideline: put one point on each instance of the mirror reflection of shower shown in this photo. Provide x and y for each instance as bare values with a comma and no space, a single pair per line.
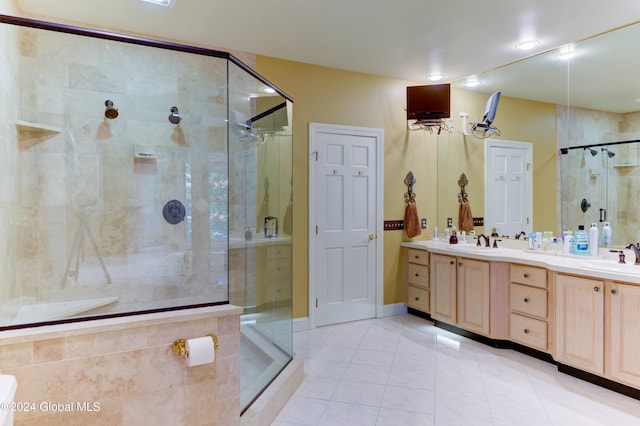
609,153
592,151
174,117
110,112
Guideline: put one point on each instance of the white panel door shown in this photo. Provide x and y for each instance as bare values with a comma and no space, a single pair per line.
508,189
345,217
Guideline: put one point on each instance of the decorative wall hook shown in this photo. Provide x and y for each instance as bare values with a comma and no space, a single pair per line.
463,182
410,196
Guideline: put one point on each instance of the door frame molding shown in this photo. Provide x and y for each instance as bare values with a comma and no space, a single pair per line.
490,143
378,134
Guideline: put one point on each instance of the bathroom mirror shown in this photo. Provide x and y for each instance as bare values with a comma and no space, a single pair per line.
596,93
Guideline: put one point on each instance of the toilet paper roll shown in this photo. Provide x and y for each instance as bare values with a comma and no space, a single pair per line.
200,351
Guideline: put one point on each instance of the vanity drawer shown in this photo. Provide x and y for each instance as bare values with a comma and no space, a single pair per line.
528,331
418,298
529,275
418,274
418,256
528,300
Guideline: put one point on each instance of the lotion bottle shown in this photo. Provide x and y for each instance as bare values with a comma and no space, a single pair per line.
606,235
567,247
593,240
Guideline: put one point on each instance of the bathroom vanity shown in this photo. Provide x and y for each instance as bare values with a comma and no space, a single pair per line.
581,313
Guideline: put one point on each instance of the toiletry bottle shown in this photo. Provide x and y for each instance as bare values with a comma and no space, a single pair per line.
555,246
435,233
593,239
453,239
568,243
538,241
582,242
606,235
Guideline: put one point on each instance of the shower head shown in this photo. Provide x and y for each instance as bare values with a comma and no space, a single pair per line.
110,112
609,153
174,117
592,151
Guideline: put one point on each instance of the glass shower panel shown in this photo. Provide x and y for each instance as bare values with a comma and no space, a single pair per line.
260,228
114,205
600,183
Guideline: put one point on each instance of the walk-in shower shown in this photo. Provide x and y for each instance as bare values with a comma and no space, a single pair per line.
103,217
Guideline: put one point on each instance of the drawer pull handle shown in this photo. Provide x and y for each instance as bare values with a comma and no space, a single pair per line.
614,291
526,331
526,275
417,257
596,288
417,298
417,274
526,300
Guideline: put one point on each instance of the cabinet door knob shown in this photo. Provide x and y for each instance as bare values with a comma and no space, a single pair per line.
417,257
614,291
526,300
460,264
417,298
596,288
526,331
451,262
417,274
526,275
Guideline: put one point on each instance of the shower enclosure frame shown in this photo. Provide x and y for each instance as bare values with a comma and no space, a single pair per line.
141,41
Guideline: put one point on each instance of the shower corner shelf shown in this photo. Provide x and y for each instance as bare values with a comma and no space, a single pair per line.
621,166
30,126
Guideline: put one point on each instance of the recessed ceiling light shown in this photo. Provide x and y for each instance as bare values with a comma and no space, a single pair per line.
472,83
161,2
566,55
269,90
527,44
435,77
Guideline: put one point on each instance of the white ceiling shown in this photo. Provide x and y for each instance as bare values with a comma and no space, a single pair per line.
404,39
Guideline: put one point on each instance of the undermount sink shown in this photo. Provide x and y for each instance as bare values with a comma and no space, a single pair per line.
612,266
472,248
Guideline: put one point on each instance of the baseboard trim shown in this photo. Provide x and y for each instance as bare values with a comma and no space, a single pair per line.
392,309
300,324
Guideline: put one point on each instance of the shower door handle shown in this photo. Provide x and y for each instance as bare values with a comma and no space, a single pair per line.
603,215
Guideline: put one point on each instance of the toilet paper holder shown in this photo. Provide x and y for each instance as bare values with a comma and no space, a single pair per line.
179,346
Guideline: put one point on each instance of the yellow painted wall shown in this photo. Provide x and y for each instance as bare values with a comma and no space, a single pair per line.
326,95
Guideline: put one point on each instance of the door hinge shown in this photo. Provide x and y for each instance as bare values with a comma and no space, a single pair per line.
527,220
316,153
316,229
316,302
528,166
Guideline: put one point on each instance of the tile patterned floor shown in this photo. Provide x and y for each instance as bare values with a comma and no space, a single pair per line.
402,370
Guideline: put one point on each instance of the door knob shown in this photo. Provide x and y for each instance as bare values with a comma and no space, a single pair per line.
372,237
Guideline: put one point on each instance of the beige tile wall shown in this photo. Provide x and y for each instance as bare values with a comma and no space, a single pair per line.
126,367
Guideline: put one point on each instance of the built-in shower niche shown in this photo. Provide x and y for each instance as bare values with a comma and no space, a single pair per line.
117,197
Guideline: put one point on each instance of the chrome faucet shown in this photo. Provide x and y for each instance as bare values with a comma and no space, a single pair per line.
486,240
636,250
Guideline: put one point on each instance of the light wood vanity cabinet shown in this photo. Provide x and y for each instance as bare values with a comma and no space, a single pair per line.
623,330
443,288
416,277
460,290
528,307
473,295
598,327
580,323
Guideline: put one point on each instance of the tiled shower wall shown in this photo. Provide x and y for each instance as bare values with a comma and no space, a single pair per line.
88,165
124,371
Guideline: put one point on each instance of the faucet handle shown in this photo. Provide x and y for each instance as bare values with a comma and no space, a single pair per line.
495,242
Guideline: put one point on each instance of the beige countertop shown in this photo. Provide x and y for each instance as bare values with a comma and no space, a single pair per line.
603,267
